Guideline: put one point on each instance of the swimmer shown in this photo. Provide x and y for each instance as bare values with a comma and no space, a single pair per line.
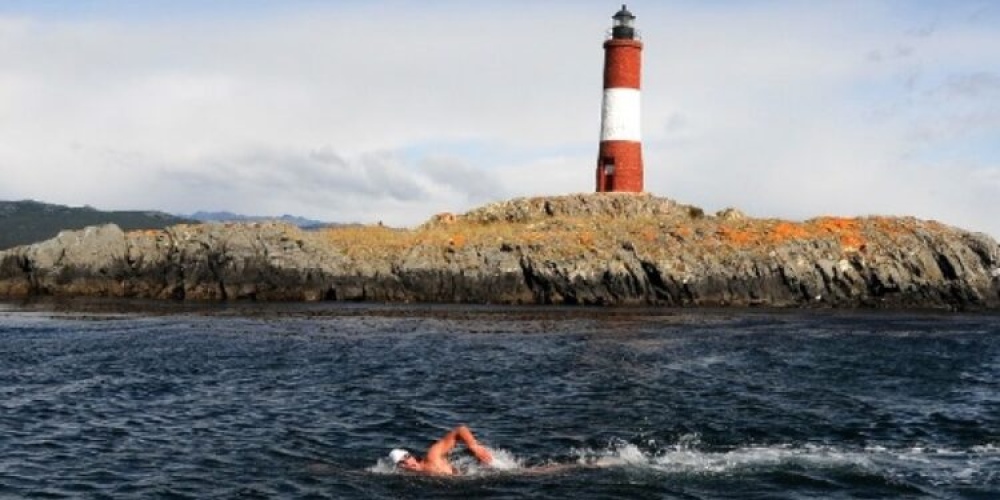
436,460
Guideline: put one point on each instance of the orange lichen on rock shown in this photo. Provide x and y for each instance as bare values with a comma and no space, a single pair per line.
895,226
738,237
852,243
786,231
649,235
836,224
847,231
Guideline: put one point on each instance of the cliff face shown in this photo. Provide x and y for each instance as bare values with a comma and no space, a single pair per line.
581,249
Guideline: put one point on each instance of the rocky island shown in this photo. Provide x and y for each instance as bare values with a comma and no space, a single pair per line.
599,249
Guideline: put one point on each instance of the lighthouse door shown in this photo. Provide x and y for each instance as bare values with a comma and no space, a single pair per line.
609,173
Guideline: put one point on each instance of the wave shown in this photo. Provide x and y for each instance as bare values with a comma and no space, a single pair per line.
977,465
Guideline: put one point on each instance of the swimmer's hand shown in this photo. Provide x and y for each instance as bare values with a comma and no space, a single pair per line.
482,454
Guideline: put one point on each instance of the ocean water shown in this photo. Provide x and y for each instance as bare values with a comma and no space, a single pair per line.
141,400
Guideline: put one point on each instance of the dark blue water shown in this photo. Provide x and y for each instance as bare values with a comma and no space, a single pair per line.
305,401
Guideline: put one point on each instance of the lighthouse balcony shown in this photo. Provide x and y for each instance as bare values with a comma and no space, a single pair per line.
622,33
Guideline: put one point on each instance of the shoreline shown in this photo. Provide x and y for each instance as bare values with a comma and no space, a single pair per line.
101,307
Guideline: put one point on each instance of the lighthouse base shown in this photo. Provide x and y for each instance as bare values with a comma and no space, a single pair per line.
619,167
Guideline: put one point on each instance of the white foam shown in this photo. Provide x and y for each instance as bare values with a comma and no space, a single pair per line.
503,460
617,455
383,466
986,449
935,465
754,457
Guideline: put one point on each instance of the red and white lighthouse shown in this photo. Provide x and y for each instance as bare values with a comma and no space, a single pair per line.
619,161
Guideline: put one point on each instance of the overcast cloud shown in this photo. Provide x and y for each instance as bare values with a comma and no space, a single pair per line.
392,111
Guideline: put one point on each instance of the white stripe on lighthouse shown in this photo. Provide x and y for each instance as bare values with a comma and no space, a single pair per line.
620,115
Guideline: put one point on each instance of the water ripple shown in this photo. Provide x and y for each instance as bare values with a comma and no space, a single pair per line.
304,402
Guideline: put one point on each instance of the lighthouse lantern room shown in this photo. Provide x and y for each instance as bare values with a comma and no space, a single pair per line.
619,160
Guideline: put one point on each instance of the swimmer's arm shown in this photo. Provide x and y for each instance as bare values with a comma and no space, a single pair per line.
440,449
443,446
480,451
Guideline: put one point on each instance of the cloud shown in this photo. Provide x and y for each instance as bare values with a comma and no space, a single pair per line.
362,112
268,181
824,143
973,85
474,184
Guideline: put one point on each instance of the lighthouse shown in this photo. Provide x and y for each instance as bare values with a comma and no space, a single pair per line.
619,160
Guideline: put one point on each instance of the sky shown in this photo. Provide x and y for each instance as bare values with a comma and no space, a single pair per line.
391,111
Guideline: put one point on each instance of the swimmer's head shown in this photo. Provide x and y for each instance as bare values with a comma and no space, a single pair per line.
398,455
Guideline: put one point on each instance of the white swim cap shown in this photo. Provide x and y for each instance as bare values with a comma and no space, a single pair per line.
398,455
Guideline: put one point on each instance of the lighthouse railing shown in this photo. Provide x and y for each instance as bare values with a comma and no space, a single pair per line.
636,34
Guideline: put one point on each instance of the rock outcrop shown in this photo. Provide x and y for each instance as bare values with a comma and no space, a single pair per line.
612,249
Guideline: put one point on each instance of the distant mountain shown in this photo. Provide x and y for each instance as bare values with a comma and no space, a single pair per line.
302,222
28,221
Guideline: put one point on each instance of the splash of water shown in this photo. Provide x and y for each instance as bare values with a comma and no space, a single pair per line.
976,465
503,460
